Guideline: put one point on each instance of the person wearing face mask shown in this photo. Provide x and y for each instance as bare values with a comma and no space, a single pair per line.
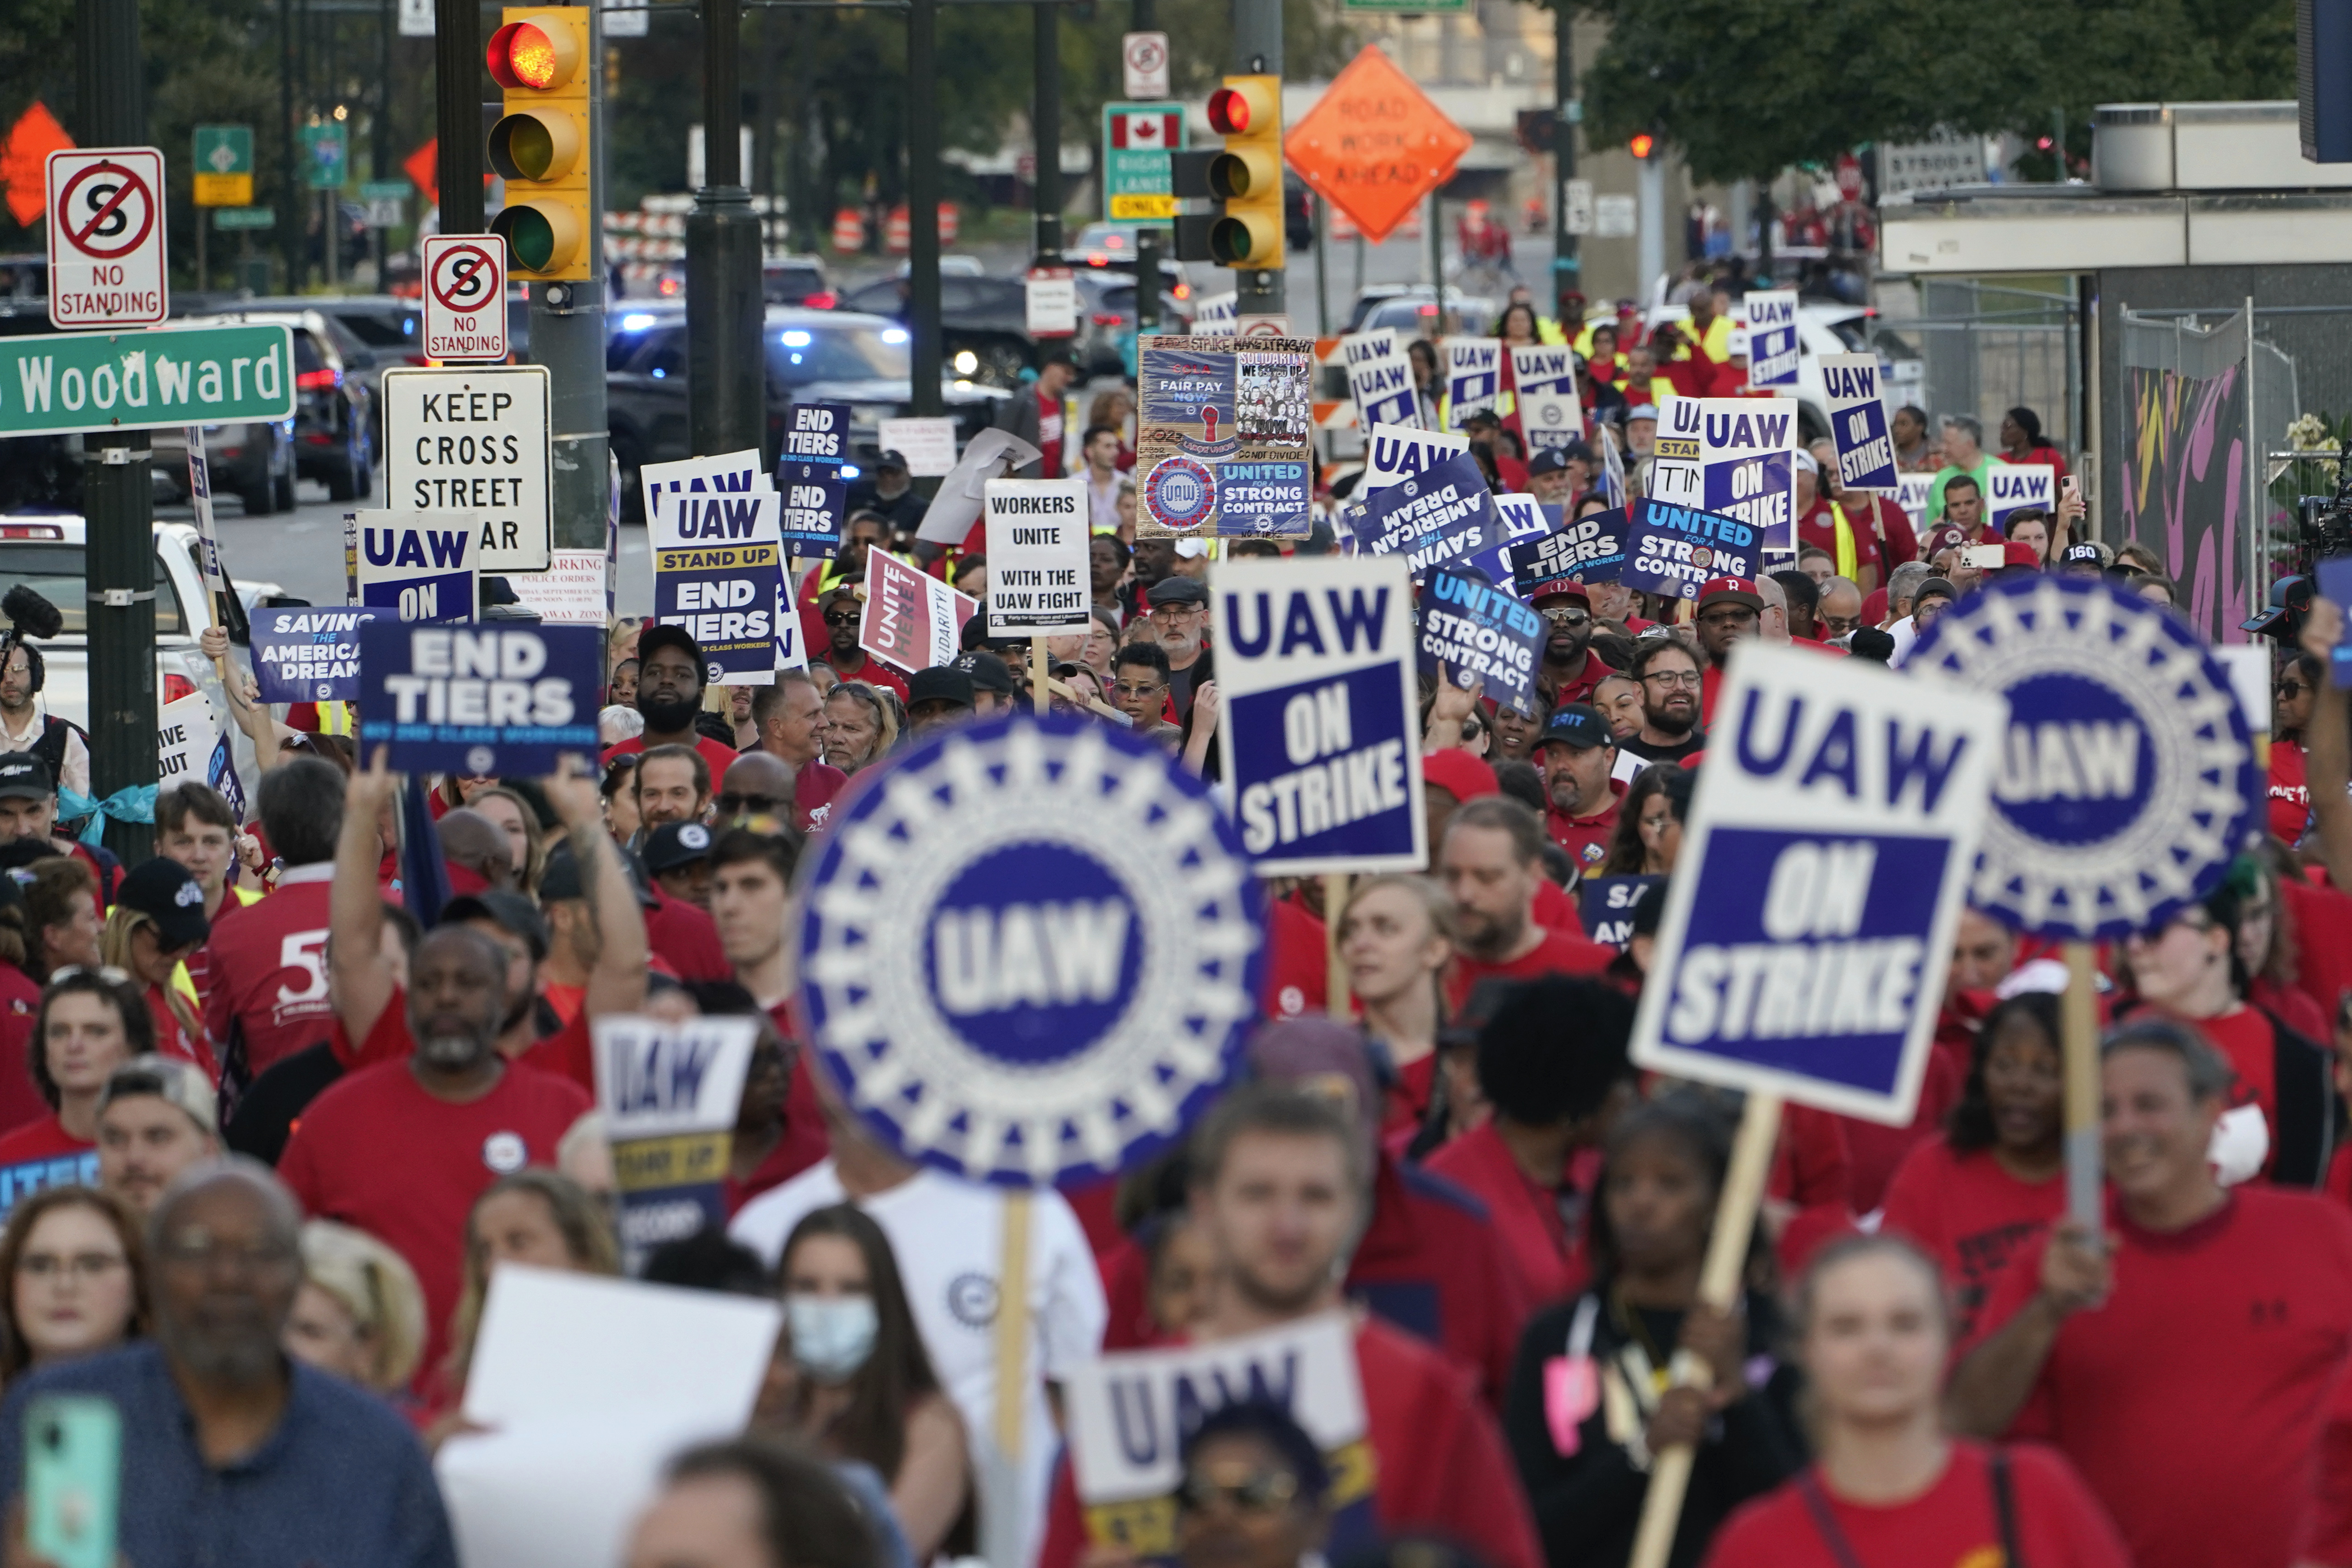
857,1384
1889,1483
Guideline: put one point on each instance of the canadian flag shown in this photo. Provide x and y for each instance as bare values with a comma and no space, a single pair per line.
1154,129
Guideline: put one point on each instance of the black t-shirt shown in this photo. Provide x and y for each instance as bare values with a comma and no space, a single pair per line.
266,1112
1649,751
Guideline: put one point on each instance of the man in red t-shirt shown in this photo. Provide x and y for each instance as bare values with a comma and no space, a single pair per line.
669,696
269,997
1729,608
1279,1177
750,902
2186,1365
1579,752
790,717
1491,862
844,608
1570,669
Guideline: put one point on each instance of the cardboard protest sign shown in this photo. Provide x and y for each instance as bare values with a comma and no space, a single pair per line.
1130,1413
1380,378
1865,448
717,569
1542,368
1808,925
1607,904
1676,550
735,471
1207,403
188,730
1447,514
1473,378
1320,736
1470,627
1772,352
670,1094
502,698
1038,561
817,432
2011,488
1911,494
1525,520
1030,950
1394,452
307,654
1551,419
1734,456
929,444
420,566
1588,550
911,621
2127,779
816,508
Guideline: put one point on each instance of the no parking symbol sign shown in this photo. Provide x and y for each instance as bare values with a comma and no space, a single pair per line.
466,297
106,237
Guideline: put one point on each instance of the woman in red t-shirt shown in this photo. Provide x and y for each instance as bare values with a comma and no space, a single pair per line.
1889,1486
1396,937
1975,1195
88,1026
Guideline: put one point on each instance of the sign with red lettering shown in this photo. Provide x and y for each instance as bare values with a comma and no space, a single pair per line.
106,237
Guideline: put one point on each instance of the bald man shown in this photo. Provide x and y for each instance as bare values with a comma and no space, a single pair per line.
757,784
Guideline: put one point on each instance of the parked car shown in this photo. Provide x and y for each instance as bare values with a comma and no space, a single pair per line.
334,408
812,356
373,333
1411,309
987,317
796,280
46,554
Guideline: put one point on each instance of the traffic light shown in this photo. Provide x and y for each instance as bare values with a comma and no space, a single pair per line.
1245,178
540,145
1643,145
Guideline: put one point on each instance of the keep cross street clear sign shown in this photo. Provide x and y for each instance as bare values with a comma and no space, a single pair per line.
475,440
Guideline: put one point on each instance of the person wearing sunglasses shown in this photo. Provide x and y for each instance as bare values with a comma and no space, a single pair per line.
2291,699
1570,669
1255,1492
157,924
843,611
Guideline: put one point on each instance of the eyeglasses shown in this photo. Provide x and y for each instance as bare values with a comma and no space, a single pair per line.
107,972
733,805
196,1248
1738,616
1260,1491
1672,678
1129,689
80,1266
1840,626
1561,615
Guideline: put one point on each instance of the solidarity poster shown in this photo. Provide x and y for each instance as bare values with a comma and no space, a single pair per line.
1211,404
501,698
1865,448
308,654
1588,550
1447,514
1734,456
1380,378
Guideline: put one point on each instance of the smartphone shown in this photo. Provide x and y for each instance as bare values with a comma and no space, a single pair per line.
73,1468
1984,558
2066,486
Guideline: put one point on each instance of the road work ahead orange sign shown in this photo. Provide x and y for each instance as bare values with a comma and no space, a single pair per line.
1375,145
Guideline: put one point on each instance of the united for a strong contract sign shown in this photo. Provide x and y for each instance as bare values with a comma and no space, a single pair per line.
1031,949
2127,778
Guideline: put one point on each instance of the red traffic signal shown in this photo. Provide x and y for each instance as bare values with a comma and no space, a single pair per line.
1643,145
1243,103
524,55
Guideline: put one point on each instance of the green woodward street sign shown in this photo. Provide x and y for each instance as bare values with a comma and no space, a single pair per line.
144,381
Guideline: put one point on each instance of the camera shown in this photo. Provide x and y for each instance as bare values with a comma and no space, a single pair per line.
2322,531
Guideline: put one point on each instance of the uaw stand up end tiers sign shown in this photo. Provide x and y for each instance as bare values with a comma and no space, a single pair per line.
1031,950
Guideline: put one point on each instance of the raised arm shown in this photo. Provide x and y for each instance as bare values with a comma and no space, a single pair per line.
617,982
2327,746
355,961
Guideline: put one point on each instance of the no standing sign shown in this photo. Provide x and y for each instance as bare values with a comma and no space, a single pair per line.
106,237
466,297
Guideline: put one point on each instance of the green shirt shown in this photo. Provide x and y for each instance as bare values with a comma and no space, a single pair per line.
1947,472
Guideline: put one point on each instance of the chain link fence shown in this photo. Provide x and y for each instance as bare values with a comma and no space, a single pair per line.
1983,347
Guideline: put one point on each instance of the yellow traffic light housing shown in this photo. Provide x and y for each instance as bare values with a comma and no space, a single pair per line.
540,146
1246,178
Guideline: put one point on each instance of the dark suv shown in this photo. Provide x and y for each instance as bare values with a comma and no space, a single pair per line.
334,411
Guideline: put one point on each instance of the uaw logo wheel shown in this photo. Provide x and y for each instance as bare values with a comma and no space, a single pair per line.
481,760
1180,493
2128,783
1032,947
1702,557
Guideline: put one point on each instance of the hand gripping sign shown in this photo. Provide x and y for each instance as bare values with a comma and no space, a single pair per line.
1031,950
2127,775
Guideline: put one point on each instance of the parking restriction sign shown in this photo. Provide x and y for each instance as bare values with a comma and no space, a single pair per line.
466,297
106,237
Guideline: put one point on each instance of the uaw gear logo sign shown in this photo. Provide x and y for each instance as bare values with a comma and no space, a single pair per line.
2128,781
1032,949
1181,491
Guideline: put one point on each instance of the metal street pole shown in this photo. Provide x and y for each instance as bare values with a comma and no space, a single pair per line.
925,363
458,76
726,390
1257,51
1566,266
111,107
567,336
290,225
1144,19
1045,113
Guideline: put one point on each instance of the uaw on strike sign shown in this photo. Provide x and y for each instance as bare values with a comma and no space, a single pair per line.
1808,923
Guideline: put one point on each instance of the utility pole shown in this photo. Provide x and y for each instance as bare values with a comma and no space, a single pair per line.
726,382
567,336
111,103
457,74
1566,266
289,224
1046,115
925,361
1257,51
1144,19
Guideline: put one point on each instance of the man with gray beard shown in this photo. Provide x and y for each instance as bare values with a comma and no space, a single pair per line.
232,1452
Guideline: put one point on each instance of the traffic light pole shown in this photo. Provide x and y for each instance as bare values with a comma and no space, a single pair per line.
925,363
111,106
1146,240
1566,266
457,75
1045,114
1257,51
567,336
726,392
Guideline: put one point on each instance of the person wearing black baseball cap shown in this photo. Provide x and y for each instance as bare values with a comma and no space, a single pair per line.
1180,621
678,857
670,696
1558,474
887,490
938,696
994,689
29,811
1579,752
844,609
158,920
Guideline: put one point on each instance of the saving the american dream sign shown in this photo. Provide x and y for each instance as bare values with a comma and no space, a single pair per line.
1031,950
2127,779
507,699
1806,931
1320,738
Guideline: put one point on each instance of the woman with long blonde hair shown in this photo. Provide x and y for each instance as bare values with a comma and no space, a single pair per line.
1396,937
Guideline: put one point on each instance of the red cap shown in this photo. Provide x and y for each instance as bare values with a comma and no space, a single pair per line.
1451,767
2017,552
1941,538
1738,590
1565,588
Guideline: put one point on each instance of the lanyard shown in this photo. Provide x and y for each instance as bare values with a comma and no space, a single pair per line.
1833,1536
